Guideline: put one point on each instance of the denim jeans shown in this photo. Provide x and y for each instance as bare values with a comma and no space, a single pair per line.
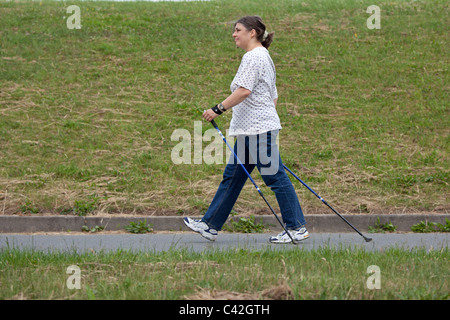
260,151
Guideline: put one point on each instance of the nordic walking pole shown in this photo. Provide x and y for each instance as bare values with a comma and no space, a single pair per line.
254,183
323,200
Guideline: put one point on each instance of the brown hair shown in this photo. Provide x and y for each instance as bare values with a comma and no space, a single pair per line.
255,22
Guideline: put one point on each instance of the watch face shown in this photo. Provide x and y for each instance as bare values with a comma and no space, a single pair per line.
216,110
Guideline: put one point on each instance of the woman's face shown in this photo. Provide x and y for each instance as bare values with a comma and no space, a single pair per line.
242,36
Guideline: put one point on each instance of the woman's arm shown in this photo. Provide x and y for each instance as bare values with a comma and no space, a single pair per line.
239,95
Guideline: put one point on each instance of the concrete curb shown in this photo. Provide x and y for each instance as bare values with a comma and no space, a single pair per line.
315,222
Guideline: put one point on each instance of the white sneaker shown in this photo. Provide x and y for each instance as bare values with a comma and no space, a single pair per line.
298,235
201,227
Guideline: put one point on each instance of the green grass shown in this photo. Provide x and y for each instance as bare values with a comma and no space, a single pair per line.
320,274
86,116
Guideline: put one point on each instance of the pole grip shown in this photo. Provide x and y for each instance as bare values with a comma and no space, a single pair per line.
214,124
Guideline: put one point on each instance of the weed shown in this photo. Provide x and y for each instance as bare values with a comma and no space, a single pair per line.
423,227
92,230
444,227
382,228
84,207
245,225
28,207
426,226
139,227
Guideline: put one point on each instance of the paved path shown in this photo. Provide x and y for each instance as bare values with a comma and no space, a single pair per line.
158,242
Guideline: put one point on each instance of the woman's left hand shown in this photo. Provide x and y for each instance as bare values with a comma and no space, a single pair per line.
209,115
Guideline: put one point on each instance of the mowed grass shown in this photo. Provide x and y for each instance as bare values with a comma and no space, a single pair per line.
270,274
87,115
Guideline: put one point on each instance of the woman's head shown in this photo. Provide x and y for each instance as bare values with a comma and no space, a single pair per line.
251,28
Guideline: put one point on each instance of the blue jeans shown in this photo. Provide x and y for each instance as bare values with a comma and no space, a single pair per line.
260,151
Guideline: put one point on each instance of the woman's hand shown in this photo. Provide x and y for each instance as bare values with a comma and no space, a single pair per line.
209,115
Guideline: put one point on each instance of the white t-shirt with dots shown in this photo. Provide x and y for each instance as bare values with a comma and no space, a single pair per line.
257,113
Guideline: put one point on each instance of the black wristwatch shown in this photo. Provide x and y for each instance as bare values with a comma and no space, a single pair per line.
218,108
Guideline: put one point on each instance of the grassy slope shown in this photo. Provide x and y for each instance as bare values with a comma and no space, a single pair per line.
86,116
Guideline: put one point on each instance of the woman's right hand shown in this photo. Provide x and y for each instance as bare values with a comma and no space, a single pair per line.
209,115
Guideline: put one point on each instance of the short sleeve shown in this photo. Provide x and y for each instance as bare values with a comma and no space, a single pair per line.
247,75
274,92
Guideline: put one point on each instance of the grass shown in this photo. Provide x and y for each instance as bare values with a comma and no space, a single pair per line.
86,116
320,274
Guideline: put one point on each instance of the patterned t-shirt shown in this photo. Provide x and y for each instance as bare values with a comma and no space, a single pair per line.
257,113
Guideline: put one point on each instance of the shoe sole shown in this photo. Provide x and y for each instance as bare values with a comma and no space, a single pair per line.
202,232
208,236
289,240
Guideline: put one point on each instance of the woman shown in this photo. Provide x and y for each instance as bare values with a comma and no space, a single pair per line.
255,124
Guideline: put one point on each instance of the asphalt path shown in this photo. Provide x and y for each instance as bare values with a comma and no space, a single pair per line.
158,242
